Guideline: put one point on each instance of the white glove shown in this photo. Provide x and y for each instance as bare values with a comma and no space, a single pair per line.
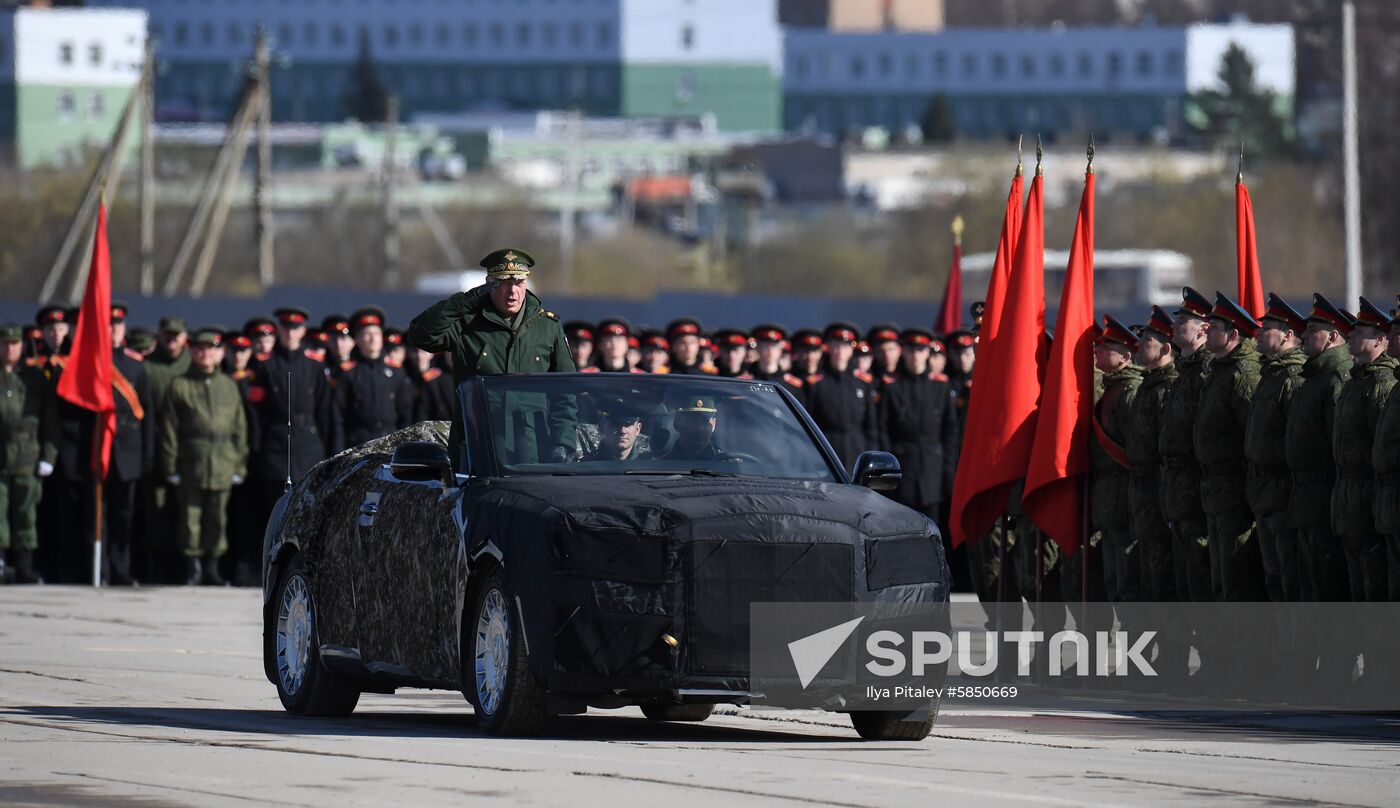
237,479
173,479
45,468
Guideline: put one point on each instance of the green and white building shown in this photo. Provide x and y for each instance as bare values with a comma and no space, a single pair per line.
607,57
65,75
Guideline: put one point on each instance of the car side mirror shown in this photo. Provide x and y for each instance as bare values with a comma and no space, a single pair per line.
878,471
419,461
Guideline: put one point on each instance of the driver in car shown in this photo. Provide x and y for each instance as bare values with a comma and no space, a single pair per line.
695,422
619,431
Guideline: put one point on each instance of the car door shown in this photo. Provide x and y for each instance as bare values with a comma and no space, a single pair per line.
412,561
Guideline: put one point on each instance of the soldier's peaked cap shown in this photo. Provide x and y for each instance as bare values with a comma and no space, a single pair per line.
291,315
1159,324
769,332
367,316
1231,312
842,331
1324,312
1370,314
1194,304
731,338
807,338
259,326
1114,331
882,332
507,263
336,324
918,337
684,326
1279,310
614,326
579,331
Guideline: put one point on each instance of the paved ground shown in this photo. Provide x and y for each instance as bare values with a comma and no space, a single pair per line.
156,697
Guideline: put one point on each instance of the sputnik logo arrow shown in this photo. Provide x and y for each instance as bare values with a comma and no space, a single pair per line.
811,653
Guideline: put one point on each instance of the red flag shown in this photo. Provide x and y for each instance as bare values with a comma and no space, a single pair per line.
1052,497
1001,413
87,378
950,315
1247,253
1001,267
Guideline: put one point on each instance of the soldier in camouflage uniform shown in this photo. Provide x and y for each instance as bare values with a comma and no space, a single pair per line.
1385,457
28,449
1281,374
1181,474
203,453
1108,498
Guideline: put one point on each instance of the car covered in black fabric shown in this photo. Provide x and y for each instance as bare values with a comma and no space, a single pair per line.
595,541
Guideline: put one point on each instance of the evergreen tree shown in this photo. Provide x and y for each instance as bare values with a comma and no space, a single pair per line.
1240,112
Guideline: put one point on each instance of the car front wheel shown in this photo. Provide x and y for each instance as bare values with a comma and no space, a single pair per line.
677,712
303,685
497,673
893,725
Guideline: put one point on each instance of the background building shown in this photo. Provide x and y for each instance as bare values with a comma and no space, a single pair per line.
65,75
607,57
863,15
1126,82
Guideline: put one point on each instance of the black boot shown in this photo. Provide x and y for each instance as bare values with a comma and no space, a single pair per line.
194,571
24,568
4,570
211,572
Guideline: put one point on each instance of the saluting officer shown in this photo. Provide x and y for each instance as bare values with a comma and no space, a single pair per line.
372,399
28,449
1181,474
732,353
203,453
501,327
841,399
919,414
769,340
1281,374
613,343
684,334
1108,498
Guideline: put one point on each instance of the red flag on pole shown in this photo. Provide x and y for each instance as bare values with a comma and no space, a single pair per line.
1052,497
87,378
1001,267
1251,288
1000,424
950,315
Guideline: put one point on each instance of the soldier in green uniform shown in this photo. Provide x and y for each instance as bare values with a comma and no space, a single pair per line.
619,434
1181,474
1108,498
501,327
168,361
203,453
1281,374
1385,457
28,449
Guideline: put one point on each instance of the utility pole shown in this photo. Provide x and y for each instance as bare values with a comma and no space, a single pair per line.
1351,158
148,179
262,185
391,203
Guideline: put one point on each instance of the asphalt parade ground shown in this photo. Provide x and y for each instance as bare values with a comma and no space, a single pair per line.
156,697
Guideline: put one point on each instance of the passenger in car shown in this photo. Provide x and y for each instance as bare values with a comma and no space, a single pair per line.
620,434
696,421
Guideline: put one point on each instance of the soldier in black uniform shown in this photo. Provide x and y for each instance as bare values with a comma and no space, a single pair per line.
918,411
807,353
270,398
133,456
433,388
884,341
655,351
732,349
614,337
263,333
962,356
372,399
340,345
580,336
769,340
841,398
683,335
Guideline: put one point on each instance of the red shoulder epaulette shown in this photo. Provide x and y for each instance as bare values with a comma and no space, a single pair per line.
318,354
888,378
590,370
935,376
792,380
240,375
347,364
637,370
130,354
744,376
34,362
863,376
710,369
814,378
393,363
431,373
662,369
262,357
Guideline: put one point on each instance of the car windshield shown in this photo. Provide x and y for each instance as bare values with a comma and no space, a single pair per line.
636,424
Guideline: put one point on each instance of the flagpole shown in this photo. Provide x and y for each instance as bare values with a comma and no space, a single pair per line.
97,431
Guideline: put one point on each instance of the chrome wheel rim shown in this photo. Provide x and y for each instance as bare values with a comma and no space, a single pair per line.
492,651
294,627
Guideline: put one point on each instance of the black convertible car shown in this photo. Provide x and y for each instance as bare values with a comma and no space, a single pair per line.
594,540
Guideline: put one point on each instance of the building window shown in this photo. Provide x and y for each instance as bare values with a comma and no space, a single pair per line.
1144,63
469,35
415,35
182,34
65,53
998,65
442,35
1115,64
549,35
688,36
206,33
391,36
95,54
911,65
604,35
969,65
1057,64
284,35
802,66
157,32
66,106
940,64
97,105
234,32
308,34
858,66
522,35
685,87
1086,64
1027,65
886,64
1175,63
497,35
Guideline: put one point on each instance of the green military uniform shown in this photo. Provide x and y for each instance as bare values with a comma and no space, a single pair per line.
483,341
1385,458
1359,406
1109,509
1268,482
28,435
1307,444
203,443
1236,568
1147,523
1181,477
161,520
